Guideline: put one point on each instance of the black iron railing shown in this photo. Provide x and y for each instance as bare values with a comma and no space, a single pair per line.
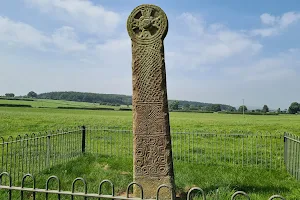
11,192
37,152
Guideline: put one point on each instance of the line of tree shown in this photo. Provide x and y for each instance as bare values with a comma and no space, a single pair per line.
265,109
116,99
175,105
30,94
103,99
9,95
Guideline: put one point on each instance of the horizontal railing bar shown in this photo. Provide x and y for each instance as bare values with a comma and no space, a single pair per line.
39,137
188,133
292,139
80,194
201,133
65,193
114,130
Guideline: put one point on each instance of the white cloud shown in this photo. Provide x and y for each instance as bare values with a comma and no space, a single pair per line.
23,35
116,52
18,33
196,24
288,18
82,14
66,40
200,45
265,32
275,24
268,19
268,69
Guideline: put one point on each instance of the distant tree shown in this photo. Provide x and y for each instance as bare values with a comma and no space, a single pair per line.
186,106
294,108
241,108
265,109
213,108
232,109
10,95
193,107
174,105
278,110
216,107
32,94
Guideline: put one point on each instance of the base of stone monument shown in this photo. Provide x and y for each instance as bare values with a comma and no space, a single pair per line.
151,185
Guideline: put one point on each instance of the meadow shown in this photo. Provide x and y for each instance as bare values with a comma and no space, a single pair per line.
14,121
46,103
216,180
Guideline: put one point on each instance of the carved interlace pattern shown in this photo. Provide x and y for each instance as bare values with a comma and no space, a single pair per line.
147,26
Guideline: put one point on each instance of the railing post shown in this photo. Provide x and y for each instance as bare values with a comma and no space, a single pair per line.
285,150
83,139
48,151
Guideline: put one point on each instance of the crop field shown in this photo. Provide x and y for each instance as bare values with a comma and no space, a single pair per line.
217,180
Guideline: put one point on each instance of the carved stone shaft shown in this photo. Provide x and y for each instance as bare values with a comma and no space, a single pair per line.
153,166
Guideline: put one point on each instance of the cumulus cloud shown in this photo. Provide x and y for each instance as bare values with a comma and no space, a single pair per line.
275,24
268,19
66,39
82,14
202,45
20,34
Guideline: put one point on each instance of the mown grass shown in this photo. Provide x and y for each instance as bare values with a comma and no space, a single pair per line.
218,182
14,121
259,183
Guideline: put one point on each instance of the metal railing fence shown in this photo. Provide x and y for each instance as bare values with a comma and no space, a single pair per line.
37,152
244,149
11,192
292,154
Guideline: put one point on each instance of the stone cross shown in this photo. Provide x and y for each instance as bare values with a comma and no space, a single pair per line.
147,26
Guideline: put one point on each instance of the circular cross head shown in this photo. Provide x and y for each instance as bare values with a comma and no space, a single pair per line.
147,23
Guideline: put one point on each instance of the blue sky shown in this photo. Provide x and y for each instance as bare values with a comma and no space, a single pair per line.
216,51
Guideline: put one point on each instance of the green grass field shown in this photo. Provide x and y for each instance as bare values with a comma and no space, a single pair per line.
259,183
54,103
14,121
216,181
